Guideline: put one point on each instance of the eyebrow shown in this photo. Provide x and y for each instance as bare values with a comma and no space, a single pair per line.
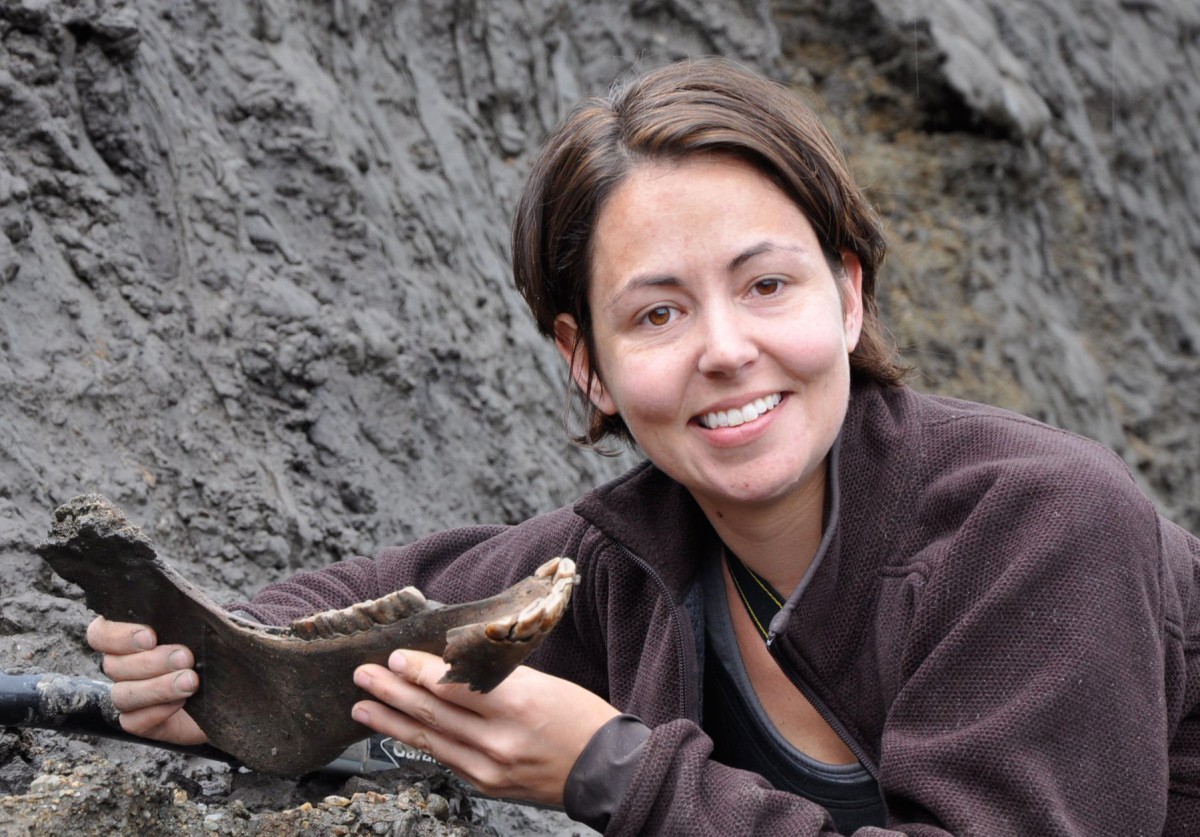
759,249
659,280
653,280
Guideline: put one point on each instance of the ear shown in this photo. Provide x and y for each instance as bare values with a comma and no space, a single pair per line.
573,350
852,299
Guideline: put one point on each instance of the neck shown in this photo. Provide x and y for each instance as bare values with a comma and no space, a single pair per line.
777,540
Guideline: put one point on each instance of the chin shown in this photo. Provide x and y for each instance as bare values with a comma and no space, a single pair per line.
760,490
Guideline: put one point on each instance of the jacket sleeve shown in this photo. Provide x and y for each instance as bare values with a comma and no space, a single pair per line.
361,579
676,789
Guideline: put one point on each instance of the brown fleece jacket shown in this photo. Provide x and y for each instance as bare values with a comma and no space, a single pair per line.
1005,630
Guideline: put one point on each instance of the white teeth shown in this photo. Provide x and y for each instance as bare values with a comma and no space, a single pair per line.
735,417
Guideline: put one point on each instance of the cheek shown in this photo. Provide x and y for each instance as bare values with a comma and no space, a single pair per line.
646,389
814,352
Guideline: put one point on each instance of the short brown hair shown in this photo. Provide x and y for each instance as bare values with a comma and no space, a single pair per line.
711,107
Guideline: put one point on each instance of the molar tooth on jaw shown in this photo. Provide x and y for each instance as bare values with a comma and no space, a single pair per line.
324,624
559,568
358,617
560,593
304,629
499,630
528,620
348,620
397,605
386,610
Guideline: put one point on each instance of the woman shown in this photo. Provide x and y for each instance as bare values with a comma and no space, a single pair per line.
904,611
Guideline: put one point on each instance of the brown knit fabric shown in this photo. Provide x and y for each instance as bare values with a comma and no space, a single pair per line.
1002,623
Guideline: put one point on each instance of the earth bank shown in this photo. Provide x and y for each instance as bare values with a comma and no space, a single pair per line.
254,289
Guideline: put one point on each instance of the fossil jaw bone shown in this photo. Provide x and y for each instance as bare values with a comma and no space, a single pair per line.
278,702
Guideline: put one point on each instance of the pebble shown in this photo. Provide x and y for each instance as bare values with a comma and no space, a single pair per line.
47,784
438,806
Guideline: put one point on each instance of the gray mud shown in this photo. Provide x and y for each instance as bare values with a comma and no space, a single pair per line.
254,283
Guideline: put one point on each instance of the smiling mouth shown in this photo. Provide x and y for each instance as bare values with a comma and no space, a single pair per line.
742,415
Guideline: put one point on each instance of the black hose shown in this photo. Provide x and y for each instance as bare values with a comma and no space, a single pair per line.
51,701
82,706
78,706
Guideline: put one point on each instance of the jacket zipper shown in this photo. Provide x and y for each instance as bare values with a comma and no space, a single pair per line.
827,716
685,711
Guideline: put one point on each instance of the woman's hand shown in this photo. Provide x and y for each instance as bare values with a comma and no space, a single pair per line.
518,741
151,682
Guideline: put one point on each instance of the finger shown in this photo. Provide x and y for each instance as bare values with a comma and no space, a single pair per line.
120,637
414,700
461,757
131,695
164,722
427,670
146,664
418,666
409,712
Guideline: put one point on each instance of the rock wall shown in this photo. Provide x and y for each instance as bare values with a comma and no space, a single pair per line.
253,256
254,266
1038,163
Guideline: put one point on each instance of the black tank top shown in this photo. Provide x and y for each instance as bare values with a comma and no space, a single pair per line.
744,737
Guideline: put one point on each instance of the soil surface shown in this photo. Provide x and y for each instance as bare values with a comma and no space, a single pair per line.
254,289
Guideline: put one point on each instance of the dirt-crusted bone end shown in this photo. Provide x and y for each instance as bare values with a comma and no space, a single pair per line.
91,516
92,544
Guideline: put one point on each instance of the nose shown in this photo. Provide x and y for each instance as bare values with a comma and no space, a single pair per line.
729,343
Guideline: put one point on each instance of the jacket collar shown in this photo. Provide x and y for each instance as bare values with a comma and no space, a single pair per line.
657,520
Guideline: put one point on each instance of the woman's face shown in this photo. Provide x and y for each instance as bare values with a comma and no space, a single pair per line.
720,335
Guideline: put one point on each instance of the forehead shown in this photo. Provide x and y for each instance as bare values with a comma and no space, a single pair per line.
646,174
704,201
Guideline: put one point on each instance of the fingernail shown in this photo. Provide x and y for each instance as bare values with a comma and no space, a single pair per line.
397,662
178,659
359,715
185,683
143,640
361,678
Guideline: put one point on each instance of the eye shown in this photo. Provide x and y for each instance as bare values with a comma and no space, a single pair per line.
767,286
659,316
